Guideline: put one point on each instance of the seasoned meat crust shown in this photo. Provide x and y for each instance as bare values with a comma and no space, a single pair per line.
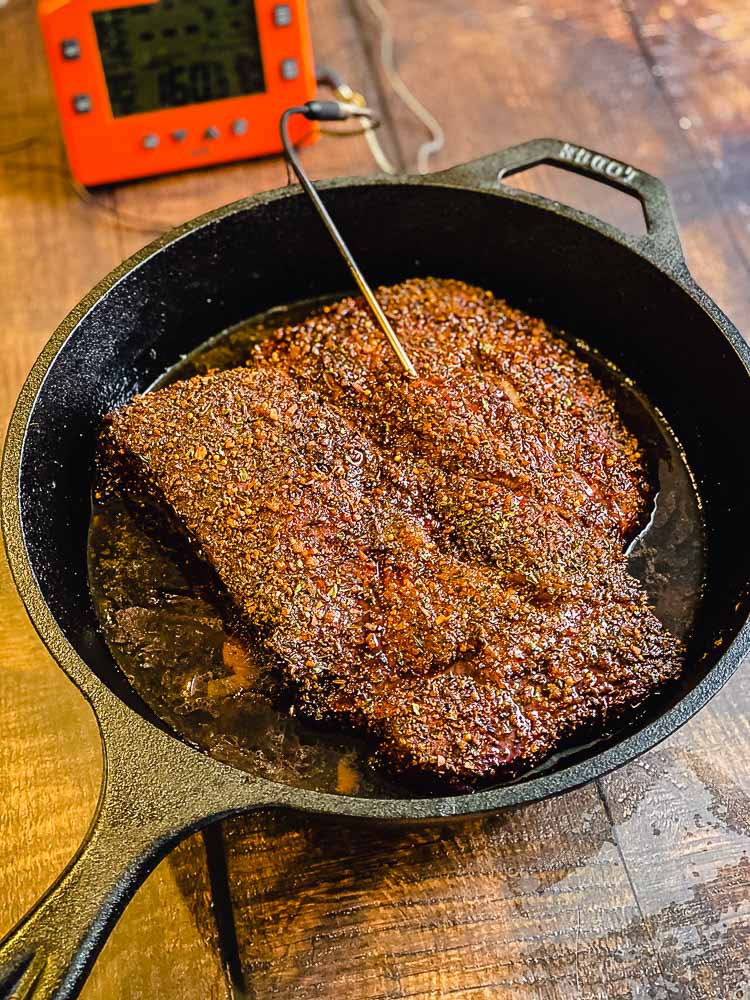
436,563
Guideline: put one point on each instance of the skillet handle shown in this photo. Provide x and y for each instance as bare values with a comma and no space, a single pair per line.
661,241
152,797
49,953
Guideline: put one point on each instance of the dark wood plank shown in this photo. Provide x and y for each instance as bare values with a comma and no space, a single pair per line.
521,906
682,824
682,815
699,58
574,70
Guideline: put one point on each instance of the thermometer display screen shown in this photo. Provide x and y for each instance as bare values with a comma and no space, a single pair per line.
177,52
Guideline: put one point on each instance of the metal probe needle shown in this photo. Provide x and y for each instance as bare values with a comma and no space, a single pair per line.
324,111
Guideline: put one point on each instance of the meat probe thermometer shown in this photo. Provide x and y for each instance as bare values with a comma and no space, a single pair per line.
327,111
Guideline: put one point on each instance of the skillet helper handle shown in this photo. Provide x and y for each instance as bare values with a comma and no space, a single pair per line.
661,241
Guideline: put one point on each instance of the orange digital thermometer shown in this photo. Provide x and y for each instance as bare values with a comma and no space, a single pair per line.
148,87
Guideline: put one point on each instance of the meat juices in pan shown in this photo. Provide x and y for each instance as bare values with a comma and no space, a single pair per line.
436,563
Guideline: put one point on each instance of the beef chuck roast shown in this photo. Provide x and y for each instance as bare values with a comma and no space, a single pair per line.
437,563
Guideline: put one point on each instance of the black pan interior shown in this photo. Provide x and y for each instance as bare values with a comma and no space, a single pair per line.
258,256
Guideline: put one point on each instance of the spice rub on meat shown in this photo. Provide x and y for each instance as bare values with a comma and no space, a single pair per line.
437,563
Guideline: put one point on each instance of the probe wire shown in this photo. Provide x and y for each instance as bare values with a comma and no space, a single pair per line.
332,111
388,64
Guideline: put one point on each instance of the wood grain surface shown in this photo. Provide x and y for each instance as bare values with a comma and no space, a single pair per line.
637,887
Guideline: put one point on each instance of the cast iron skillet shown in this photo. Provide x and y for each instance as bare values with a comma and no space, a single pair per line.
630,297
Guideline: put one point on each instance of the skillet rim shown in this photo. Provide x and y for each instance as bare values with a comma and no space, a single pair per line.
112,713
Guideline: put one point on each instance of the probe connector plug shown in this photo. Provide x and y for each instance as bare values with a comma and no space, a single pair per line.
334,111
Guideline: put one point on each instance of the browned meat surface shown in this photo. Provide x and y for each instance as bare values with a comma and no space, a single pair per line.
437,563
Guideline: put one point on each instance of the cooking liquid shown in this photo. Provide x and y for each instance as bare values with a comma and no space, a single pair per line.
170,634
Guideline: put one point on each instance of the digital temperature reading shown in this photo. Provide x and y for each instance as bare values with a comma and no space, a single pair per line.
152,86
178,52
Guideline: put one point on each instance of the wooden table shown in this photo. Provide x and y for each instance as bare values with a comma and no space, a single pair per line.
635,887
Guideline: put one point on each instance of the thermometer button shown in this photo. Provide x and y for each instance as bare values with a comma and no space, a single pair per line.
239,126
70,48
282,15
82,104
289,69
150,140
